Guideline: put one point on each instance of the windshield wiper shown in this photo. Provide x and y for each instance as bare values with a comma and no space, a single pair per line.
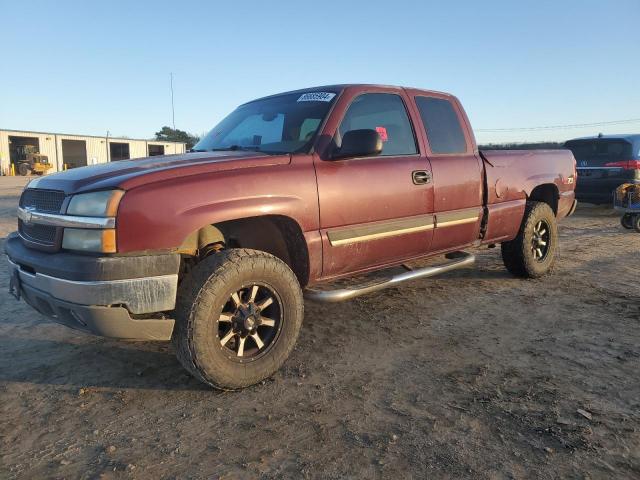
246,148
251,148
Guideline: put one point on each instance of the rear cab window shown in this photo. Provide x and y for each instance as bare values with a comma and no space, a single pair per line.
386,114
442,124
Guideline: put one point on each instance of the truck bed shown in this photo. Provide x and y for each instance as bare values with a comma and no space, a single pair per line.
512,177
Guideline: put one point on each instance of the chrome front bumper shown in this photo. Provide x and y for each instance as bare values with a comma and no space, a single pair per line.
129,297
138,295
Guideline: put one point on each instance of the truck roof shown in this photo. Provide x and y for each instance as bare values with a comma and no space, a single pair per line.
339,87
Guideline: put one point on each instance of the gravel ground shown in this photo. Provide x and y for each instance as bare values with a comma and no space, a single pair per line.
474,374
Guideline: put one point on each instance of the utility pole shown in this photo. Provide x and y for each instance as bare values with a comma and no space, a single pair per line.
173,112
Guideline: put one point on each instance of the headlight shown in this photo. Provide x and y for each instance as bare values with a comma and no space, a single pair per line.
95,204
103,241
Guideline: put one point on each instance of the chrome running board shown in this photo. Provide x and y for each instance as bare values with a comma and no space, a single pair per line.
459,259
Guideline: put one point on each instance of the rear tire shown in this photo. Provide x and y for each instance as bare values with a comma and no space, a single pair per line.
532,253
229,335
636,223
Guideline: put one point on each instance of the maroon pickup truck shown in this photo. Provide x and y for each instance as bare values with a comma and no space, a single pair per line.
214,248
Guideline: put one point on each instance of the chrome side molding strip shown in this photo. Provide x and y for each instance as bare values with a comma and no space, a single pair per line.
599,168
458,260
376,231
459,217
31,216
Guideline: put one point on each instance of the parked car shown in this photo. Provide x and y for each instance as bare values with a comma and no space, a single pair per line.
604,163
213,248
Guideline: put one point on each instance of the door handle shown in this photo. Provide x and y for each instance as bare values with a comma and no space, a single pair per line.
421,177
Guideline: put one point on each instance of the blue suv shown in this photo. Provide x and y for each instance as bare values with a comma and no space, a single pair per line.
604,163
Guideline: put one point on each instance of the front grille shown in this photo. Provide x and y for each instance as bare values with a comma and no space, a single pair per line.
42,234
48,201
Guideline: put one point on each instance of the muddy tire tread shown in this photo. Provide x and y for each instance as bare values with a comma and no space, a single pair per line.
197,289
515,253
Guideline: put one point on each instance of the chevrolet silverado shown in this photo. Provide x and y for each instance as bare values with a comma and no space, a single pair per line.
215,249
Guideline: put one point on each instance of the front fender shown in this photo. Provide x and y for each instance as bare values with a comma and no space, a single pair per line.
160,216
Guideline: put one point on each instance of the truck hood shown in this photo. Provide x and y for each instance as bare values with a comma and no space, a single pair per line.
128,174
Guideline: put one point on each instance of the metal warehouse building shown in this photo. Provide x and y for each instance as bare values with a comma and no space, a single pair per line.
69,151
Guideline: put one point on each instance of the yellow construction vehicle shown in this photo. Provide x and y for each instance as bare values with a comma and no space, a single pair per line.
29,161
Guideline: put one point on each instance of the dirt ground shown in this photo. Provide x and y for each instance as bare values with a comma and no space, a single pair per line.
475,374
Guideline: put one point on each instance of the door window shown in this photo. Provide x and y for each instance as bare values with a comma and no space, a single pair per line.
386,114
444,132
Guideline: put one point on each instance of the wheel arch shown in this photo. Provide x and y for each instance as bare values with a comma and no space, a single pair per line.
279,235
547,193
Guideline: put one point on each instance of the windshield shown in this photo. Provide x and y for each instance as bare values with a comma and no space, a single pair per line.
282,124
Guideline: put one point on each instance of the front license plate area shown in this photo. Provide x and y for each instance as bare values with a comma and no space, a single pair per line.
14,283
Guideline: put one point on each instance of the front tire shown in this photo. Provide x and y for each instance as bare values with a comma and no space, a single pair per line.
23,169
238,315
532,253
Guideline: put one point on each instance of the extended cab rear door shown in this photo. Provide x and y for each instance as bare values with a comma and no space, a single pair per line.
457,170
374,210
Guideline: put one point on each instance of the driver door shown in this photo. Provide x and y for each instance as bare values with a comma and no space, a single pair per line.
374,210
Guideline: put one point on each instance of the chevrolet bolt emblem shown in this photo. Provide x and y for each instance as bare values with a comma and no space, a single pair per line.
28,214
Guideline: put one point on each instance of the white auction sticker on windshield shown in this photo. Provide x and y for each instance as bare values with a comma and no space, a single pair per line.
316,97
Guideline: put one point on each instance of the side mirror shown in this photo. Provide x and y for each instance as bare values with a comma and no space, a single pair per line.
359,143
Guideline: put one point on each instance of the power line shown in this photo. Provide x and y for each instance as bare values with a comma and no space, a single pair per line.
560,127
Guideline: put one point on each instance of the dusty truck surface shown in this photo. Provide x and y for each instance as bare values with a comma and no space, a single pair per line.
214,248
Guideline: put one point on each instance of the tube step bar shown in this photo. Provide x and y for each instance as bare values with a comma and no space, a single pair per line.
458,260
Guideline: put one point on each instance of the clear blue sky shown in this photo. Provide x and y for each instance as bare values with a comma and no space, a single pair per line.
88,67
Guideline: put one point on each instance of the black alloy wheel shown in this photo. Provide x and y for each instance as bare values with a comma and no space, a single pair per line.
250,322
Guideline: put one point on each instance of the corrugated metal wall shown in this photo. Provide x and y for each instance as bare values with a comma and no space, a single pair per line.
50,144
